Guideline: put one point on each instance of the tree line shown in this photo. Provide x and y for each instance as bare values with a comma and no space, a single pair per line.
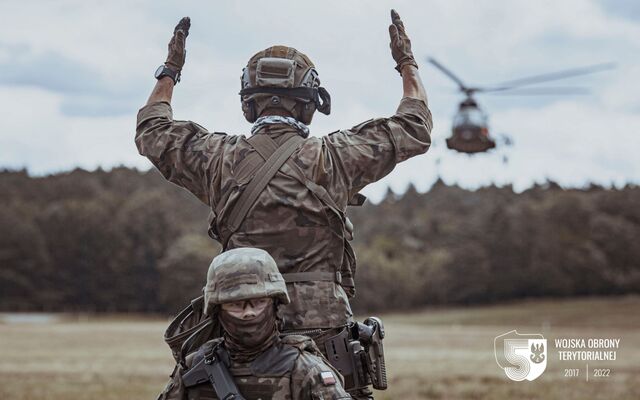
127,241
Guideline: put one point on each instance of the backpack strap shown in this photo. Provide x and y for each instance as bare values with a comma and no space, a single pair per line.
264,145
268,170
275,157
345,227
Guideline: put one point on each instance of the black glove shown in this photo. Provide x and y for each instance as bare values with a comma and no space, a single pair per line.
400,43
177,51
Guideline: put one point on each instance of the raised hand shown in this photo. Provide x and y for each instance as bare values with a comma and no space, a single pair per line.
400,43
177,51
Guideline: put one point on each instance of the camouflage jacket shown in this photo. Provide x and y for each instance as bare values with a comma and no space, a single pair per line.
288,220
290,370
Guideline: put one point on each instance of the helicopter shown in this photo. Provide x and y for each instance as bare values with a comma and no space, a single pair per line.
470,127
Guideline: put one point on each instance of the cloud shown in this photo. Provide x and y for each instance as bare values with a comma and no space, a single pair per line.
48,70
43,140
85,91
73,74
627,9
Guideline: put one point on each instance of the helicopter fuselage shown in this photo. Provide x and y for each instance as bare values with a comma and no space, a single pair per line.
470,130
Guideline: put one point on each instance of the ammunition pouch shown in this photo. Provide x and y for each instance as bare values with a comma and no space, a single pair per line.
357,353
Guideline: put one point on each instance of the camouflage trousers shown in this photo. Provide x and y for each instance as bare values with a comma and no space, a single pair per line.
362,394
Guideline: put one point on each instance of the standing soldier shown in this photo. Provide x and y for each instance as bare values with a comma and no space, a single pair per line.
251,361
279,189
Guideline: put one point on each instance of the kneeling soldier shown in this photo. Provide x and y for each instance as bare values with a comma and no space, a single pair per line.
251,360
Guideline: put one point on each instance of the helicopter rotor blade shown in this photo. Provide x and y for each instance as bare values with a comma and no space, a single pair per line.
539,91
530,80
448,73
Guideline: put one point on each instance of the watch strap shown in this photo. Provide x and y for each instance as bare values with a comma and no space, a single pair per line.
166,71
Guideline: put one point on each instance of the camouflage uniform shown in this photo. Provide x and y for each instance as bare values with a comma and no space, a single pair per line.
288,220
290,370
282,193
274,367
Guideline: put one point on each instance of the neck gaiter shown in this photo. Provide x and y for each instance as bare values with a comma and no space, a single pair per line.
246,339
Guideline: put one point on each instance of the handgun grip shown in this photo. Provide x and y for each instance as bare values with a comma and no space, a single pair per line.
379,378
377,364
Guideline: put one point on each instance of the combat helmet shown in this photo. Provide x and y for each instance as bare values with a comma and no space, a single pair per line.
243,274
282,77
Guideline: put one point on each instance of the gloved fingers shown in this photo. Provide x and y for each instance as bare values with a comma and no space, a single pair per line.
172,42
177,44
393,34
179,38
181,32
395,20
394,16
183,25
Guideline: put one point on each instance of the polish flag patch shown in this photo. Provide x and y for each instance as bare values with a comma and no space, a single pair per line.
327,378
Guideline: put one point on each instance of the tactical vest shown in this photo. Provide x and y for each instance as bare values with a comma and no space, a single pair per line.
254,172
266,377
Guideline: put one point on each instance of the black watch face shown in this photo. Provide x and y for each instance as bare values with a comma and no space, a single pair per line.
159,71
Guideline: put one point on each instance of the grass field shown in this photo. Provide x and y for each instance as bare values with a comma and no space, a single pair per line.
432,354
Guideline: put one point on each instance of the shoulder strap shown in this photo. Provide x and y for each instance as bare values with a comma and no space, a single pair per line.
317,190
346,228
261,179
264,145
278,360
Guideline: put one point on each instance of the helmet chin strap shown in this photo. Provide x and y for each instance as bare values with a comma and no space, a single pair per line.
325,107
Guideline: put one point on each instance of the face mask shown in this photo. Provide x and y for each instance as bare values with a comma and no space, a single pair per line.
246,339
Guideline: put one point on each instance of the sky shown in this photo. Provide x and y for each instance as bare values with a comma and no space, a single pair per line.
73,75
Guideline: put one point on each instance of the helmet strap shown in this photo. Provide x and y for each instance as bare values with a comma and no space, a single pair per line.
325,107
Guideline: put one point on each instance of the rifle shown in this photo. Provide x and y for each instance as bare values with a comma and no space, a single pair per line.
214,369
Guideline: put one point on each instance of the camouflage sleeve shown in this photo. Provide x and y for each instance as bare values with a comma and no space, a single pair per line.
183,151
313,378
369,151
174,390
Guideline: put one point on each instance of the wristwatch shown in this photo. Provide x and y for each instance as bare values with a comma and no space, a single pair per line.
163,71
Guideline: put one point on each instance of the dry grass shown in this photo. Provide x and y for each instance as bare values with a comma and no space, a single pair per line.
434,354
448,354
